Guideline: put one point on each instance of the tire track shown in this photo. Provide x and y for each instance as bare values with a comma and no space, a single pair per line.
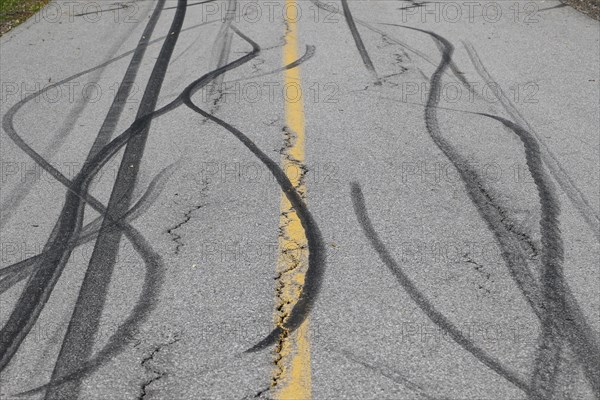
452,65
423,302
221,50
56,250
490,212
316,256
16,196
360,46
578,336
80,336
14,273
308,54
459,75
117,341
563,318
389,373
41,283
556,169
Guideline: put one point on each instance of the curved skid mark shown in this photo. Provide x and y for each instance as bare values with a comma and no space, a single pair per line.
424,304
153,279
14,199
459,75
556,169
316,257
77,345
57,250
563,316
221,50
489,211
452,65
308,54
20,192
12,274
98,161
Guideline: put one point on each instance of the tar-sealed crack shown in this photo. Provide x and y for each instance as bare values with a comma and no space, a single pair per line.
149,365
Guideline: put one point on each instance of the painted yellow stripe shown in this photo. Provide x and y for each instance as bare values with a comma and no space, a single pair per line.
292,375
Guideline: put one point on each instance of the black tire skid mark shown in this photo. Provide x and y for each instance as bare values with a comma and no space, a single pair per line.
526,277
153,191
57,253
116,341
475,190
471,180
459,75
191,4
8,120
14,199
564,318
127,83
423,302
360,46
554,352
452,65
486,205
473,187
186,50
389,373
555,168
221,49
14,273
9,116
317,255
146,300
194,41
550,347
116,109
308,54
151,259
77,345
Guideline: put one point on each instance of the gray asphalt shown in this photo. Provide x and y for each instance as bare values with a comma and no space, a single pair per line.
473,240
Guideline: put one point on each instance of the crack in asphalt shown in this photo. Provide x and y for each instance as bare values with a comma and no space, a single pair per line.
187,216
156,372
524,239
289,139
175,237
480,269
286,291
258,395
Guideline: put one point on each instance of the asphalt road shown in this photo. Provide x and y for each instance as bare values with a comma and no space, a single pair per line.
295,199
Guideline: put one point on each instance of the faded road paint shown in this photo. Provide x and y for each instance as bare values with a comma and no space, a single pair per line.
292,375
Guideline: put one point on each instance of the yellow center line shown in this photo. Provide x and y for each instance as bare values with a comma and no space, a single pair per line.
292,375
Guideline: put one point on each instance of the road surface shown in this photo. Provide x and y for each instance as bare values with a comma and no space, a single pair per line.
300,199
